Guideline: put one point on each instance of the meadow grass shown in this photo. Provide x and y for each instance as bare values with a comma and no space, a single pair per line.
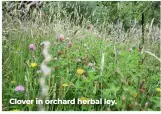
129,76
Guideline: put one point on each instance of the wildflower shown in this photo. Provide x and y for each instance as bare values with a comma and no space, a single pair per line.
33,65
65,85
135,95
13,82
32,47
80,71
78,60
70,44
158,89
61,37
90,64
19,88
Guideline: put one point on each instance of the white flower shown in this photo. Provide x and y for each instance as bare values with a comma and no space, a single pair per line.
78,60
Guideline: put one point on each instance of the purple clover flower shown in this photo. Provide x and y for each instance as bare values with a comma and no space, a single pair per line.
90,64
19,88
70,44
32,47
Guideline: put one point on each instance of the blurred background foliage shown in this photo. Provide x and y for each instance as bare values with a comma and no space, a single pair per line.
99,12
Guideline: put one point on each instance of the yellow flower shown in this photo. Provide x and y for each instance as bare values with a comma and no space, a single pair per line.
135,95
33,65
80,71
158,89
83,98
65,85
13,82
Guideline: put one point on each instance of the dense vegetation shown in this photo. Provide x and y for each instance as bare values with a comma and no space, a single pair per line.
96,49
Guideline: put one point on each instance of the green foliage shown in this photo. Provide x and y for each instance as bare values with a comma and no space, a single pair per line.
99,12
